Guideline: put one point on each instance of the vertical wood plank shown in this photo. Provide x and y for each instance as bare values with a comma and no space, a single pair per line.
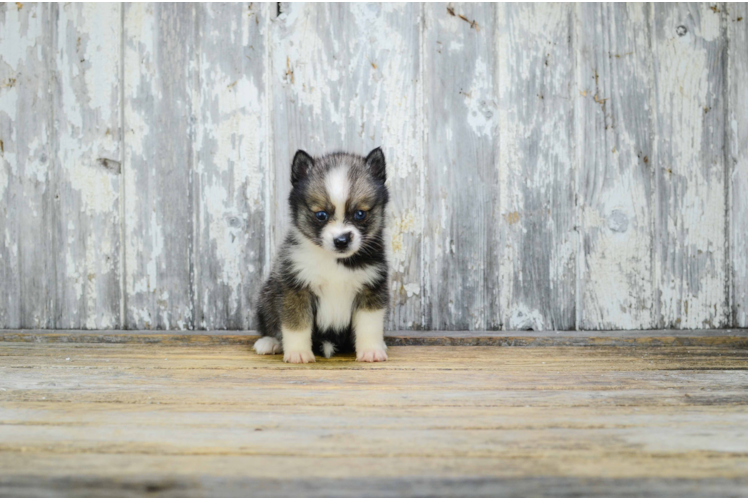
737,167
689,46
27,171
613,117
536,171
87,112
346,77
230,191
160,69
461,110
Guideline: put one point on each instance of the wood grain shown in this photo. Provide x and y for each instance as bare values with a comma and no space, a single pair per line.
89,170
536,175
461,110
214,419
615,179
184,486
159,165
29,166
347,77
690,226
552,167
645,338
736,17
232,149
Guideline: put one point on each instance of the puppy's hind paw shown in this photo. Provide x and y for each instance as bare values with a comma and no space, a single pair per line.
371,355
299,357
268,345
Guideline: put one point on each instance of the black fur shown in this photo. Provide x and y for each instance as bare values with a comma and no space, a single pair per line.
300,166
377,167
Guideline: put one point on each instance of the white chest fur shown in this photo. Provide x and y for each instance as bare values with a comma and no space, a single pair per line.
334,284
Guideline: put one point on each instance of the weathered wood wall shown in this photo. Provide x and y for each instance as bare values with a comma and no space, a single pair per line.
553,166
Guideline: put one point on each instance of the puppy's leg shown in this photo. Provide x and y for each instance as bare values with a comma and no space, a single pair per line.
368,321
296,327
368,326
297,346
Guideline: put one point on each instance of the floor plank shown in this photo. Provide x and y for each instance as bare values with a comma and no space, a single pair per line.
735,338
130,419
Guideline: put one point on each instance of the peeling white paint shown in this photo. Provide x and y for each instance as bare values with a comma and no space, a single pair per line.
690,262
523,317
297,62
412,289
95,185
5,166
738,172
536,182
615,245
26,293
480,102
231,138
641,255
38,168
88,62
710,27
397,229
18,37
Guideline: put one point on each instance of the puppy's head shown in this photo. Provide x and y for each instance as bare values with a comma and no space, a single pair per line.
338,200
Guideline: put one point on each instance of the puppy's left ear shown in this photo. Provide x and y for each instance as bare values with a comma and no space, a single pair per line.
376,164
300,166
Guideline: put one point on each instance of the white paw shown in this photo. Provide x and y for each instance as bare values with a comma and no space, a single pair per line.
299,357
268,345
371,355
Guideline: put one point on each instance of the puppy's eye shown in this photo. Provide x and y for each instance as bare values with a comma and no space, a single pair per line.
359,215
321,216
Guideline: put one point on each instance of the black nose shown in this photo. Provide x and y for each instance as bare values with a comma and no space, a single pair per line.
342,241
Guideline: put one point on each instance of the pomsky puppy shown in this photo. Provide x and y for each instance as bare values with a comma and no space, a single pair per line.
328,289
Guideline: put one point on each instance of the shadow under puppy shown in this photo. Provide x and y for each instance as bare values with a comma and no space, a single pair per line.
328,290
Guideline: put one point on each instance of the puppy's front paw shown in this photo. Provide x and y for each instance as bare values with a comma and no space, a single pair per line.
299,357
268,345
371,355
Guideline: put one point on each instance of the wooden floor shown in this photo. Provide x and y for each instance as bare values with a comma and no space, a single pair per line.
165,419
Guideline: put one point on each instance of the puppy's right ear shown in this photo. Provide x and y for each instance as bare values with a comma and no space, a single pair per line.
377,166
300,166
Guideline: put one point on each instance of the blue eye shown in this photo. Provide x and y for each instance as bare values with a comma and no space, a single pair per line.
359,215
321,216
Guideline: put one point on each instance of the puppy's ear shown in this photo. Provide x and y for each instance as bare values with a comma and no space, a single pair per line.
300,166
376,164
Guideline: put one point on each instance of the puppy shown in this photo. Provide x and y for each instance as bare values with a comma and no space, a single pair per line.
328,289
